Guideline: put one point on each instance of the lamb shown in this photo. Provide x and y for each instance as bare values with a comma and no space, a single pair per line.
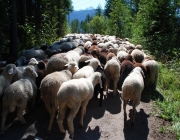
153,68
111,71
131,90
86,71
18,94
50,86
74,94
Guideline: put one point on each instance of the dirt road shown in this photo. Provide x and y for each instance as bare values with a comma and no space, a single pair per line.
100,123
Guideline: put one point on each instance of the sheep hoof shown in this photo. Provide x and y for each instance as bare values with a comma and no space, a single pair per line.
71,136
49,131
80,125
63,132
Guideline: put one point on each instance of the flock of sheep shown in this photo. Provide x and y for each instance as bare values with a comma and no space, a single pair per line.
70,72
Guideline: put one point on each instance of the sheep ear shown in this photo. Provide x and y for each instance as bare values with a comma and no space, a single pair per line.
87,61
35,73
77,67
11,71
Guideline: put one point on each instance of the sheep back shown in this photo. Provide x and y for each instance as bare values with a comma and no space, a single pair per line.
133,86
18,93
56,63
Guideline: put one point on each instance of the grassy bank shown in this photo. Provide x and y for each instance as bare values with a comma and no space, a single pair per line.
169,87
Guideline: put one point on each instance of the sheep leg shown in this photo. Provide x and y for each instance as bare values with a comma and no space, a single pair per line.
107,85
101,97
115,88
61,116
124,107
48,107
133,114
3,119
33,101
83,111
70,118
52,115
20,115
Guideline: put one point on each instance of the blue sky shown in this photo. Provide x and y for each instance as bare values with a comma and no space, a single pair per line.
83,4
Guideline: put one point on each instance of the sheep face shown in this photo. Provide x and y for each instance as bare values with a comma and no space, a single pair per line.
94,62
72,66
10,69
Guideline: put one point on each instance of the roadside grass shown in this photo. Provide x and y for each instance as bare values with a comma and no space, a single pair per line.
169,87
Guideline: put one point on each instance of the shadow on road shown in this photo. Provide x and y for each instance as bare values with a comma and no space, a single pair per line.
140,129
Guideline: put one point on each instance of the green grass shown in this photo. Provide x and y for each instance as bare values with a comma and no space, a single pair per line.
169,87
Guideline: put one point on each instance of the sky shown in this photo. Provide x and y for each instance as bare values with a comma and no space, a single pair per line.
83,4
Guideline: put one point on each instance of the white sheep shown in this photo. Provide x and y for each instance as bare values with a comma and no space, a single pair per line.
86,71
50,86
18,94
131,90
74,94
6,77
121,55
153,68
112,72
87,44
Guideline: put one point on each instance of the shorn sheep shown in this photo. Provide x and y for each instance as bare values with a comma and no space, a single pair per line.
131,90
18,94
50,86
74,94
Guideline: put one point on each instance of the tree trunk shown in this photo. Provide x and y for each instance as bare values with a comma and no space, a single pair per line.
13,49
23,11
59,19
